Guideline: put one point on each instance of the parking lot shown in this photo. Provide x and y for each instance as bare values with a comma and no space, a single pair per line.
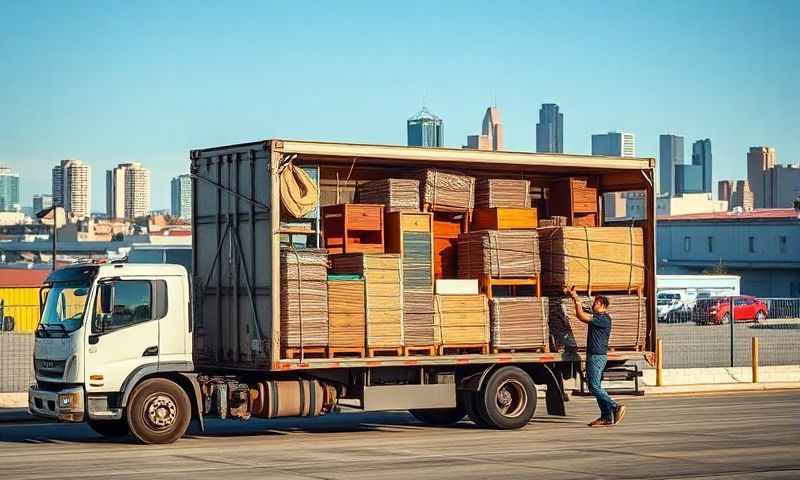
741,436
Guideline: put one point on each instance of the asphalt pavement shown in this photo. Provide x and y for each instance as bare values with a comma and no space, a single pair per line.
731,436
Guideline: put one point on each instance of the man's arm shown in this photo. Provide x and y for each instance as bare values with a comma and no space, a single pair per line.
582,316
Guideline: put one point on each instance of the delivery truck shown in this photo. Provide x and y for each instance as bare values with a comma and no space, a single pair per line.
145,349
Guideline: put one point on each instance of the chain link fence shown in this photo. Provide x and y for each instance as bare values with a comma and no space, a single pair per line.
16,361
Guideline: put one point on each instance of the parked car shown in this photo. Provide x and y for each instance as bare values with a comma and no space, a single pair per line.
674,306
717,310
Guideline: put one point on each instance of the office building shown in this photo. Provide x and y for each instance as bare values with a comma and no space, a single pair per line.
701,156
614,144
742,196
425,130
724,190
773,185
72,187
688,179
42,201
128,191
550,129
9,190
670,154
689,203
492,136
759,161
181,196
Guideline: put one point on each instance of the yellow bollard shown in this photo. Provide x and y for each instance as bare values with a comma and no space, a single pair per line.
659,363
754,357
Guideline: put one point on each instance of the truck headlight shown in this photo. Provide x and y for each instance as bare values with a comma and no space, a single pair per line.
67,400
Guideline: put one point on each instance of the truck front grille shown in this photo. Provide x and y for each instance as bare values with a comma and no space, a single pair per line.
49,368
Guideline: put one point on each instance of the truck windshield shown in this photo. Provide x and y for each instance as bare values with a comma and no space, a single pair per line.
65,306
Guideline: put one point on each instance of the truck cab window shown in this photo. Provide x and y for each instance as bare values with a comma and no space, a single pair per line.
132,303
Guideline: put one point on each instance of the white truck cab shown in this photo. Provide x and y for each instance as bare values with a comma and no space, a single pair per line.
104,328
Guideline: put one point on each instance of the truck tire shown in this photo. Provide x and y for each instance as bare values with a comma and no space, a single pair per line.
110,428
508,399
439,416
472,405
159,411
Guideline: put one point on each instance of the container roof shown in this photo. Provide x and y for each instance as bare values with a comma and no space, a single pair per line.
760,214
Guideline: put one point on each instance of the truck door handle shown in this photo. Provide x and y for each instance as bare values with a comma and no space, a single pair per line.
93,339
150,351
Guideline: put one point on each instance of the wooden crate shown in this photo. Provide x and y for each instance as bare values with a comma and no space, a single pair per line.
353,228
577,199
502,192
504,219
446,229
461,321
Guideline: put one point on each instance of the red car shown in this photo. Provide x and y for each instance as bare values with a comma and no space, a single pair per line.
717,311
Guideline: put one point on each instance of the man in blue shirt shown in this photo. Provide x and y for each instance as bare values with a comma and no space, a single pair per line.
599,323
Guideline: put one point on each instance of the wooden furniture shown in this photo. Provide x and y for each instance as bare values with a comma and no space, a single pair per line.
502,192
446,229
353,228
577,199
504,219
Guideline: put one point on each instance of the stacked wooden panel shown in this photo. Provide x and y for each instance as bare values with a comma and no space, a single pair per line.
504,219
600,259
519,323
383,292
346,312
498,254
502,193
462,321
447,191
554,221
396,194
628,322
353,227
576,199
304,298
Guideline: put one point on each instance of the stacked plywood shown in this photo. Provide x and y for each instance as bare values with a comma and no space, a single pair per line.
592,259
383,291
502,192
397,194
462,320
519,323
418,289
554,221
304,298
628,322
447,191
498,254
346,312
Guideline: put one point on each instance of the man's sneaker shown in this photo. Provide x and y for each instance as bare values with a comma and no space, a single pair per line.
601,422
619,414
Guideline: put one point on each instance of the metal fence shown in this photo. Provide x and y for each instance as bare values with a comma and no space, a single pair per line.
694,334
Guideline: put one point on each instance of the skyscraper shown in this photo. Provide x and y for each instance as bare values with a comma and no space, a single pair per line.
670,155
615,144
42,201
181,188
701,156
550,129
425,130
759,161
128,191
724,190
9,190
688,179
72,187
742,196
491,137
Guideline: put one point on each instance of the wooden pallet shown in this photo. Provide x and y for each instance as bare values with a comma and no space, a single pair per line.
385,352
429,350
333,352
293,353
543,349
487,283
481,348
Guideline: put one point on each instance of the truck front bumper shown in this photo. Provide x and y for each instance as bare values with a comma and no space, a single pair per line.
64,405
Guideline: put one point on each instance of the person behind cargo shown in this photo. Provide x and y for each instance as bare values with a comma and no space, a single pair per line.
599,323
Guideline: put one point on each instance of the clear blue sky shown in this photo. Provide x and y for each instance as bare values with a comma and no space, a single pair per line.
117,81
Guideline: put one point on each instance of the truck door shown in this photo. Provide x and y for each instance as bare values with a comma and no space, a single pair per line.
123,337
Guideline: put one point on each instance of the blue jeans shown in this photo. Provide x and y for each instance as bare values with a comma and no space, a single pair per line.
595,364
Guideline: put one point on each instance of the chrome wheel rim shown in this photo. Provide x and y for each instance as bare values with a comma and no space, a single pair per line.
511,398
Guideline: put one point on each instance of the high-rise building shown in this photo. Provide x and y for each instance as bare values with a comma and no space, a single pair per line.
42,201
759,160
181,188
492,136
72,187
9,190
701,156
742,196
670,155
614,144
550,129
128,191
724,190
688,179
425,130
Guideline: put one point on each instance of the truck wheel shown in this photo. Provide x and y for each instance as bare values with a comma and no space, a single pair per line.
508,399
472,405
110,428
439,416
159,411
